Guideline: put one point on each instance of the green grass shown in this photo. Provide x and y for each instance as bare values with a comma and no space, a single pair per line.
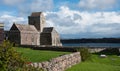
111,63
38,55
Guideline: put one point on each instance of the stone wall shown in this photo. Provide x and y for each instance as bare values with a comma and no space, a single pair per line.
30,38
95,50
1,32
1,35
14,36
60,63
67,48
45,39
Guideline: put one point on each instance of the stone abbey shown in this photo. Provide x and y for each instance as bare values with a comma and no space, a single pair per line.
35,33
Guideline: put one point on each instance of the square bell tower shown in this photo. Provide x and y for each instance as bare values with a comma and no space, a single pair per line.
38,20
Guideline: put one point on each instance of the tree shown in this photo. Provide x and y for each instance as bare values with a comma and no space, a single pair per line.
11,60
84,52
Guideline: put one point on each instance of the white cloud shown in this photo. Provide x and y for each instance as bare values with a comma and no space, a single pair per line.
41,5
13,2
68,21
64,20
8,20
35,6
97,4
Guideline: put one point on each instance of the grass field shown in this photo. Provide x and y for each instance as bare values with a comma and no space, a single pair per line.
95,63
111,63
38,55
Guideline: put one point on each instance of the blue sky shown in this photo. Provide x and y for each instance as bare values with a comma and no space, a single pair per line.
71,18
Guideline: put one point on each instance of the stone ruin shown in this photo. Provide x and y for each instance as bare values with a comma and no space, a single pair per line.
35,33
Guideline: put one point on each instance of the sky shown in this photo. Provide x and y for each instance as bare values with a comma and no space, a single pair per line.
71,18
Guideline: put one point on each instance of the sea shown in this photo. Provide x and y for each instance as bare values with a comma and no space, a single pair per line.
116,45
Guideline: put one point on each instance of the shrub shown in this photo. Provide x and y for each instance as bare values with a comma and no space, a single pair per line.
11,60
84,52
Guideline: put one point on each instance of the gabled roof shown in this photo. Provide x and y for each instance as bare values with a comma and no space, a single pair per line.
48,29
22,27
36,13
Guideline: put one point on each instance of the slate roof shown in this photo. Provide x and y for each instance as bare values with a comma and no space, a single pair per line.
48,29
22,27
36,13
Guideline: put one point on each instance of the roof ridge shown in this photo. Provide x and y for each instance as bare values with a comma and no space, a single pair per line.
20,24
23,27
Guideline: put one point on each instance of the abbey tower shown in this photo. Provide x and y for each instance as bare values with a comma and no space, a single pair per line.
38,20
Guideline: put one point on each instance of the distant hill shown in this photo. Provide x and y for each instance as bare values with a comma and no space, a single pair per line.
92,40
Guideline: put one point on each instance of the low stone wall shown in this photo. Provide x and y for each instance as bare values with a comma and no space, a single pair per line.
51,48
68,48
95,50
60,63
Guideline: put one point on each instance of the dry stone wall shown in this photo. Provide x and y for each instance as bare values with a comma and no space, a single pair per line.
60,63
95,50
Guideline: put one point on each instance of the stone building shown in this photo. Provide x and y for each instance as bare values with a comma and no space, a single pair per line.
24,35
34,33
49,36
1,32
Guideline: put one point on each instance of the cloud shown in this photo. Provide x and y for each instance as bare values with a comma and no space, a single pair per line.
41,5
72,22
97,4
13,2
26,7
63,19
8,20
35,6
68,21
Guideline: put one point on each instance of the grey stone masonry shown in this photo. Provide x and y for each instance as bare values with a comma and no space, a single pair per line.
1,32
95,50
60,63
